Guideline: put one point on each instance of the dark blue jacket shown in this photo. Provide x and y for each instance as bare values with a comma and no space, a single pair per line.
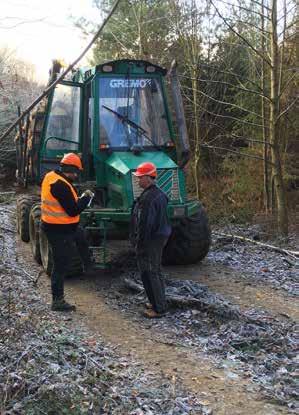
149,217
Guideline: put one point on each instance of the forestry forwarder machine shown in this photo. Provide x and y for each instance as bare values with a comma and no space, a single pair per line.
115,116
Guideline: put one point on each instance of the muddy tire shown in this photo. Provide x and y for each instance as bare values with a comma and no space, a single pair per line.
190,240
34,231
24,204
76,267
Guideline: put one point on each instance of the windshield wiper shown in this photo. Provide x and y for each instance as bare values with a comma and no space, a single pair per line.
133,124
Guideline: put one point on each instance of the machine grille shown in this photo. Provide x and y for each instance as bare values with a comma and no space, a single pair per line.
167,180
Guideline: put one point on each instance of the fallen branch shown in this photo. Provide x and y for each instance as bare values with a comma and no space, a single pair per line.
38,277
7,229
293,254
179,301
288,261
21,271
219,310
133,285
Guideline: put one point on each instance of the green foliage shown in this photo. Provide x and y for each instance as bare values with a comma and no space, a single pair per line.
138,30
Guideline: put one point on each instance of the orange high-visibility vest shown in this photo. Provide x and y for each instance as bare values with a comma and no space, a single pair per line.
51,209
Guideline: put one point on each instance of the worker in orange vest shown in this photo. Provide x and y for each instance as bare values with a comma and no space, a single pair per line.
60,215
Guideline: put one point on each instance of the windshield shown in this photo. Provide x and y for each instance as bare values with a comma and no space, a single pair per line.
132,113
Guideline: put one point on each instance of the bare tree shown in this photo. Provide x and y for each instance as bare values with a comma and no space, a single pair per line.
17,90
273,80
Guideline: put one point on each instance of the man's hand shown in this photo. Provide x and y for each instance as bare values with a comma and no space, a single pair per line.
88,193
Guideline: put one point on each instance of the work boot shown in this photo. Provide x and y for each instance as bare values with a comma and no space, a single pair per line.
151,313
61,305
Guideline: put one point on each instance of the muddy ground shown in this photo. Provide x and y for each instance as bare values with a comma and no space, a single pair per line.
230,350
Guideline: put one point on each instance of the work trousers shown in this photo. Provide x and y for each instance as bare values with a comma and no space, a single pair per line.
149,265
63,247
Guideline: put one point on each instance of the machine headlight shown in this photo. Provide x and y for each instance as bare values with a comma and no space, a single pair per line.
150,69
107,68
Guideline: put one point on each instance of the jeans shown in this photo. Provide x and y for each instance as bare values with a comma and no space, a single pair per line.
149,265
62,246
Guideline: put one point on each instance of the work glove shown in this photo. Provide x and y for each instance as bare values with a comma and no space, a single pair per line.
88,193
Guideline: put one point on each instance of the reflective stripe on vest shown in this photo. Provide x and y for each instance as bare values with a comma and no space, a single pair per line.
51,210
47,202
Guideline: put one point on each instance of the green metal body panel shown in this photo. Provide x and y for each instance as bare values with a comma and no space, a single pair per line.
123,216
118,172
126,162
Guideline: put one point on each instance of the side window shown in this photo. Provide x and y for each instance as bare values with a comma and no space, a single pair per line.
64,119
90,118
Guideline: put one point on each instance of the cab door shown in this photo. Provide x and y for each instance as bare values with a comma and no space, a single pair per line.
63,127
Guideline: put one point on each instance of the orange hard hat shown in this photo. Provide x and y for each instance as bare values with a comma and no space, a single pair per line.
146,169
72,159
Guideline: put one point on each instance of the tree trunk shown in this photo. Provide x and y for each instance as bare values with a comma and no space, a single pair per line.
265,135
282,214
196,136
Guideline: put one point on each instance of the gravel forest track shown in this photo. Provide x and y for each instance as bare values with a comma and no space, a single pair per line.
215,387
223,390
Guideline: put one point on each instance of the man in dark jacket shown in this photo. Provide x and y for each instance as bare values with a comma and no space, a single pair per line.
151,230
60,215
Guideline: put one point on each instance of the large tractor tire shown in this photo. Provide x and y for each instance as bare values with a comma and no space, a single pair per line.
34,230
76,267
190,240
24,204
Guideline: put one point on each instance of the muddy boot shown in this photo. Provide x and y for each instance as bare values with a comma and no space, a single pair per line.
61,305
150,313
